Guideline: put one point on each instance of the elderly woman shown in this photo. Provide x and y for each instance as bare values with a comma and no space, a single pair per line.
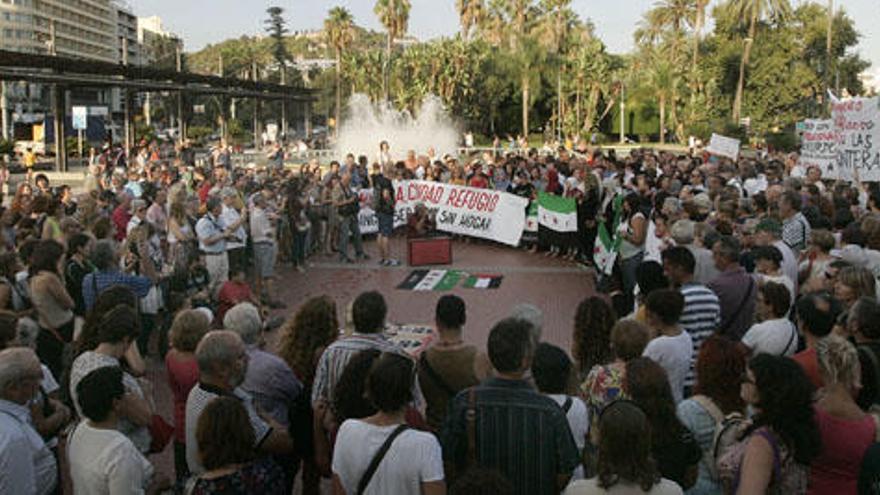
269,379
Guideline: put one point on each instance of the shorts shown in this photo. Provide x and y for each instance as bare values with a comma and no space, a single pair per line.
386,224
264,258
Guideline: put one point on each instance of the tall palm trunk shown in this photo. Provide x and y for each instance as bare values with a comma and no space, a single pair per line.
737,100
386,67
698,31
662,118
525,105
338,88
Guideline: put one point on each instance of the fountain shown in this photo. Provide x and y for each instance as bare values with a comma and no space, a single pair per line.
365,125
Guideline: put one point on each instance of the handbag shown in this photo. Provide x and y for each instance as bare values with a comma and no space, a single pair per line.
161,433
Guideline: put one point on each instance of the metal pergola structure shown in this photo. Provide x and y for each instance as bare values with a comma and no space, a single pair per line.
65,73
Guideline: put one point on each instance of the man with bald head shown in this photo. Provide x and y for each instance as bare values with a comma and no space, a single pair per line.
27,466
348,205
223,361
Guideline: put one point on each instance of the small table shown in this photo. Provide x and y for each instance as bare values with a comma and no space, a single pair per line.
429,251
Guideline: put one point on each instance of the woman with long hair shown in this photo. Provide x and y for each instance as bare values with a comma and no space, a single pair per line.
634,230
591,339
675,450
181,237
52,303
774,453
625,464
303,339
720,366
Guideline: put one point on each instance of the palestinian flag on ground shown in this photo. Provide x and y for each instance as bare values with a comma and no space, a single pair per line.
532,217
557,213
483,281
608,240
425,280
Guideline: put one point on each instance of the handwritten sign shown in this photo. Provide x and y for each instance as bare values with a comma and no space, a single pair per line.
723,146
819,146
857,126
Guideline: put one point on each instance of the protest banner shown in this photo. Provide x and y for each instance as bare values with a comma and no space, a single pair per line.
483,213
723,146
819,146
857,126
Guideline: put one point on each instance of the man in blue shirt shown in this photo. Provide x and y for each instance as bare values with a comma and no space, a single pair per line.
105,257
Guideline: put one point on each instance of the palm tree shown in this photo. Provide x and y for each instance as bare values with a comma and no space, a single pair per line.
394,15
493,24
339,29
470,14
663,80
751,12
557,17
830,60
699,21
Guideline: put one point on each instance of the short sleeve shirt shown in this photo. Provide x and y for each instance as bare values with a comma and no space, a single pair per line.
199,398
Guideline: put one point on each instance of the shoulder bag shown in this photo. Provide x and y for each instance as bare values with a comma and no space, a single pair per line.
377,459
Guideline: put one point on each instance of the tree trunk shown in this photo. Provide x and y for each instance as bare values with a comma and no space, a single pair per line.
830,59
737,100
698,30
577,106
525,105
662,119
338,89
386,67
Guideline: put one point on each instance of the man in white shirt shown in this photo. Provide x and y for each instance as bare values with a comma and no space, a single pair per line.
265,246
673,347
212,234
775,334
223,360
235,223
103,460
27,466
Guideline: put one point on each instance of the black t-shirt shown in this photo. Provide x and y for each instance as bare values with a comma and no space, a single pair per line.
870,392
380,185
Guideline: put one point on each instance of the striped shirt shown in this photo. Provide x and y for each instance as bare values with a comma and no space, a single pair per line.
338,354
700,317
520,433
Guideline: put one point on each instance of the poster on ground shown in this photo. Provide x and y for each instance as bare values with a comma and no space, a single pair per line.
723,146
483,213
857,127
819,146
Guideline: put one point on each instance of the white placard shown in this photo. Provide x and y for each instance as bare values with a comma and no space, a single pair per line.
723,146
819,146
857,125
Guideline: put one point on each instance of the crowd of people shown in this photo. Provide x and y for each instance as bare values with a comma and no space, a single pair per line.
732,348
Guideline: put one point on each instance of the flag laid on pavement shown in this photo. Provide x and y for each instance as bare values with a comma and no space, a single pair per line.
608,240
483,281
557,213
425,280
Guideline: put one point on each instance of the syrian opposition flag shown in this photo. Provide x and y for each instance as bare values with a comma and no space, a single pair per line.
427,280
532,218
557,213
608,241
483,281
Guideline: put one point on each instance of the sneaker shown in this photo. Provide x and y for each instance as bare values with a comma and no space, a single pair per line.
393,262
364,256
300,268
383,262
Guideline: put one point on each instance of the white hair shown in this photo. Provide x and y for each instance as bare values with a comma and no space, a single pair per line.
244,319
217,349
531,314
16,364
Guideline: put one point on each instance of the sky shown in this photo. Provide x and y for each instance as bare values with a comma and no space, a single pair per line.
201,22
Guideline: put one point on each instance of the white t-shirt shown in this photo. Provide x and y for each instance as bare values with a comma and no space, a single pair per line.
578,417
591,487
106,462
414,458
674,355
776,337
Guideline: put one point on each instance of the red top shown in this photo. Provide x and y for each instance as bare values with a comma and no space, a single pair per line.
183,375
231,294
120,217
844,442
479,181
810,364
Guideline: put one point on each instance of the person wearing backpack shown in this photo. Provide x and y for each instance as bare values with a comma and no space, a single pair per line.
551,370
380,454
449,365
774,453
716,405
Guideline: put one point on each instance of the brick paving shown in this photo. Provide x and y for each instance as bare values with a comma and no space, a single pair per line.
555,286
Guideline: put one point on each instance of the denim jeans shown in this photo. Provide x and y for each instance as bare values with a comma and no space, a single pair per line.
348,226
299,247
